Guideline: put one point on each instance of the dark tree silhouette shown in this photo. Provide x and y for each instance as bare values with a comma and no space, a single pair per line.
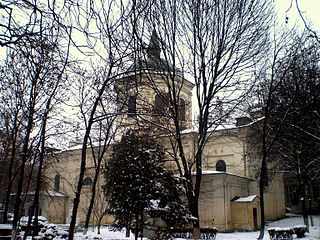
138,187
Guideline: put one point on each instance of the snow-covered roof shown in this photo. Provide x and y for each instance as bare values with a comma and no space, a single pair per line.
256,109
46,193
222,127
5,226
74,147
78,146
246,199
188,130
54,194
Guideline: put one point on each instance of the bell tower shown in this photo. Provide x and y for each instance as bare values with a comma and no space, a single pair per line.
143,92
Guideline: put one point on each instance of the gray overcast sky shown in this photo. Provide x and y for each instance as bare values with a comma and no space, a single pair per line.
310,10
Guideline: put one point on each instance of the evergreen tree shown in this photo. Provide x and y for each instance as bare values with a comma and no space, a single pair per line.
141,192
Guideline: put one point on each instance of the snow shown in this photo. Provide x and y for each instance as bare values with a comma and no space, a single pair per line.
24,220
108,233
55,194
290,221
280,228
48,193
210,172
5,226
246,199
155,203
48,231
78,146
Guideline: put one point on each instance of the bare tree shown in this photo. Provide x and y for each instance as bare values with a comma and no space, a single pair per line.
102,136
299,150
266,134
110,20
34,67
100,205
312,33
217,44
12,117
23,19
57,76
107,80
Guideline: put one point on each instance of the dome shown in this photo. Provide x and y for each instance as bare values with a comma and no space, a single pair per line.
153,62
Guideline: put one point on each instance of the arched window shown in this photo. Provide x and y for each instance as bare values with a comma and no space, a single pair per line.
132,108
221,166
159,104
182,109
56,183
87,181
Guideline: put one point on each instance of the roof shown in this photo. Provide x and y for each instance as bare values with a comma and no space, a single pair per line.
210,172
159,65
153,62
46,193
245,199
54,194
5,226
73,146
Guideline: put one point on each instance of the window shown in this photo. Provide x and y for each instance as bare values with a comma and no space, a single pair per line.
159,104
132,108
182,110
291,194
221,166
87,181
56,183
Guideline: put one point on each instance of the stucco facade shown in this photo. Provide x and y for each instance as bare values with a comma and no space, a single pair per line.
218,190
228,175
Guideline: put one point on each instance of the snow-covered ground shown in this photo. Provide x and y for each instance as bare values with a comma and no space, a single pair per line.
290,221
286,222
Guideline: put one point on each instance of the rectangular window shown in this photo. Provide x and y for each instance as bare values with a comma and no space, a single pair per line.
291,191
132,108
56,183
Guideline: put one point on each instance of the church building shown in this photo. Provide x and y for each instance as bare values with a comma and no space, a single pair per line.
229,197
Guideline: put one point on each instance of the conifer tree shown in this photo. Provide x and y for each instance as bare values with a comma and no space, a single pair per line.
140,190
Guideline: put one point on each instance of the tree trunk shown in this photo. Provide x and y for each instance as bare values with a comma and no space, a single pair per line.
41,158
30,215
93,190
262,221
99,223
262,184
195,213
196,230
10,178
141,223
304,208
17,207
137,228
35,207
76,200
127,231
128,227
24,156
309,203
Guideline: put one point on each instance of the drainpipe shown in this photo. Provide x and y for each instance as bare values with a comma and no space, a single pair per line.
244,158
244,146
224,205
65,199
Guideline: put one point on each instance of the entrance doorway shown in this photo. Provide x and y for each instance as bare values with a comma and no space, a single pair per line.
255,218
